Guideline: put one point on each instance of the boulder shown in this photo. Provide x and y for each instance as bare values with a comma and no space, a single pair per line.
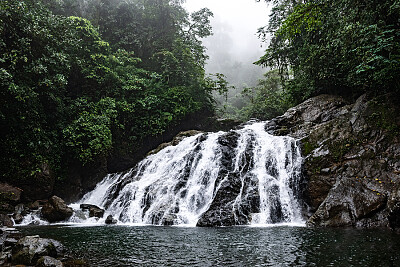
110,220
55,210
47,261
96,212
30,249
169,219
19,213
5,220
9,193
86,206
36,204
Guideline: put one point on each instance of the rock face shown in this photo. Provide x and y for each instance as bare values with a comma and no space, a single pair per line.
352,160
56,210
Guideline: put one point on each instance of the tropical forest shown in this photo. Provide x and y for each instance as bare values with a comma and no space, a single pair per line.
122,145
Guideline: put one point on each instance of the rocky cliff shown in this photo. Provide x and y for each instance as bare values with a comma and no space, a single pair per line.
352,159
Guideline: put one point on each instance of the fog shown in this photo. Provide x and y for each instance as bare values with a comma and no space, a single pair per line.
234,46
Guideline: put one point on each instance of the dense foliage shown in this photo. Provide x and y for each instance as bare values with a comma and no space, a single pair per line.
73,88
334,46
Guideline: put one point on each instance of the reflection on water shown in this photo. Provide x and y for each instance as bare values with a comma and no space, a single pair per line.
230,246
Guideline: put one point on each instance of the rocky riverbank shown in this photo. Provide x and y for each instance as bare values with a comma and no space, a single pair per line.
19,250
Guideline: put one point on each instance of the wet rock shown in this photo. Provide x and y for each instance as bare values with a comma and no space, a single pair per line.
6,208
168,220
19,213
47,261
30,249
55,210
347,204
300,120
110,220
175,141
96,212
9,193
36,204
86,206
5,220
38,186
75,263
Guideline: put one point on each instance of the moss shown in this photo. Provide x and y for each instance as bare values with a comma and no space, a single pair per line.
340,148
282,131
383,116
308,148
314,164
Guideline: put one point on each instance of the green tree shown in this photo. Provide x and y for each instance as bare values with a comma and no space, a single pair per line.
339,46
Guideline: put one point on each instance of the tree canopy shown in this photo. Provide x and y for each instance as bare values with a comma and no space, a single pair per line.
79,78
336,46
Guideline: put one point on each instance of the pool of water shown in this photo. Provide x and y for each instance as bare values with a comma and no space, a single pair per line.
230,246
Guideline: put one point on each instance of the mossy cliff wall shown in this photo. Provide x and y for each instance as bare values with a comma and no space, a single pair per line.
352,159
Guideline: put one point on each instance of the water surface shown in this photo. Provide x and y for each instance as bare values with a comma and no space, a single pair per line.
230,246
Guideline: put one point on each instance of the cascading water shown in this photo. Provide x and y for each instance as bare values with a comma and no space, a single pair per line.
186,183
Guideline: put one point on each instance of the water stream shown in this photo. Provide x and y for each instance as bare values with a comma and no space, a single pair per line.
248,173
180,182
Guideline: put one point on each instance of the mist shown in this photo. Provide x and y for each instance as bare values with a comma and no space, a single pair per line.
234,46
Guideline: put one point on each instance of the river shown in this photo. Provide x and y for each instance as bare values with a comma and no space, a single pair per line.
225,246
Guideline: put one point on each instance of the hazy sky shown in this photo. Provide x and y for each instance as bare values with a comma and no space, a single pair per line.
235,25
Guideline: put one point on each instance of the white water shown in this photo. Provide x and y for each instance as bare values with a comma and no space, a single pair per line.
178,184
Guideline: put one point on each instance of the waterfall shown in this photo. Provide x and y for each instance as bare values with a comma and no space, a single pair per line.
182,184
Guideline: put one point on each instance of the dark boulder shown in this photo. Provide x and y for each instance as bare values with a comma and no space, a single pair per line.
348,204
169,219
81,179
47,261
55,210
10,193
5,220
19,213
110,220
86,206
30,249
96,212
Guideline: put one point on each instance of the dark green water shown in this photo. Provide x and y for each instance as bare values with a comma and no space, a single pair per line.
233,246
